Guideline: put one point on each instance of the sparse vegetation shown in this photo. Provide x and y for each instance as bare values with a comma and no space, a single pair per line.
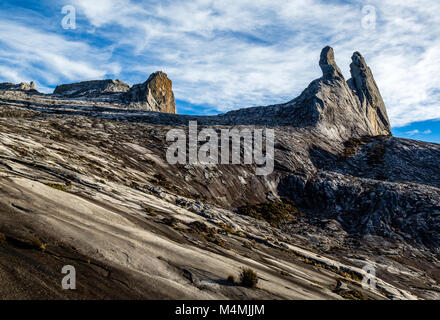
247,245
352,144
375,156
231,279
38,244
275,213
226,228
150,211
248,278
207,233
57,186
284,273
2,239
160,180
348,294
347,274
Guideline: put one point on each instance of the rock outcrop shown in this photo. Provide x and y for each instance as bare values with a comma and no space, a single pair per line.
328,64
87,181
365,87
91,88
337,108
18,87
156,92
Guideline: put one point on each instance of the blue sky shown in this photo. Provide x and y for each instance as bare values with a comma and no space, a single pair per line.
228,54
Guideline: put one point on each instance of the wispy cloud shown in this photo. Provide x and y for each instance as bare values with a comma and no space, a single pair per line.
416,131
238,53
412,132
28,53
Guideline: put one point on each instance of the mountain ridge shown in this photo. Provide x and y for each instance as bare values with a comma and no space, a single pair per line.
90,180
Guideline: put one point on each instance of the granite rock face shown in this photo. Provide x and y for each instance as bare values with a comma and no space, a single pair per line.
157,92
18,87
338,108
328,64
89,177
91,88
365,87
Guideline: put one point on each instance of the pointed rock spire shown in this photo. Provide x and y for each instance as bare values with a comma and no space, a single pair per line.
328,65
363,84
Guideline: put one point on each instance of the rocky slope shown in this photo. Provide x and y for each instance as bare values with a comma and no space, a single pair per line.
84,181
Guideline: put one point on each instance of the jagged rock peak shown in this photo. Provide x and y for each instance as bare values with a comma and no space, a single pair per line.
157,92
328,64
365,87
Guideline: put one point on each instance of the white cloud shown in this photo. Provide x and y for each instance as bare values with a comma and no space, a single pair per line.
412,132
207,48
416,131
238,53
32,53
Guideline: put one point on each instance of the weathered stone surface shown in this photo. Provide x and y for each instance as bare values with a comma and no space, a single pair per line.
365,87
91,88
91,180
328,64
156,92
19,87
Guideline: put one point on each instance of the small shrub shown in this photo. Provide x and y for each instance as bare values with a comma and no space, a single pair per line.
198,226
161,180
248,278
207,233
150,211
247,245
2,239
231,279
352,145
57,186
215,240
226,228
274,213
38,244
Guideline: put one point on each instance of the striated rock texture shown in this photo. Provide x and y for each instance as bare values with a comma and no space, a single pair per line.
328,64
19,87
364,86
337,108
157,92
91,88
85,181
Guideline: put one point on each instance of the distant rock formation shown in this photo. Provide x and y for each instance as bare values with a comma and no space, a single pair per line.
337,108
91,88
19,87
157,92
